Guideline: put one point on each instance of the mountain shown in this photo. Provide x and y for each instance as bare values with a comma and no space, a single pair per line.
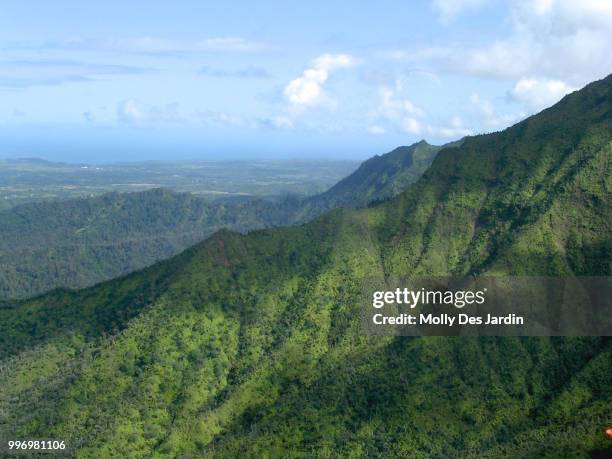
79,242
382,177
250,345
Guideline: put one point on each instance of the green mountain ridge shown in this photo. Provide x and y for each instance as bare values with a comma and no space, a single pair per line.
79,242
250,345
382,177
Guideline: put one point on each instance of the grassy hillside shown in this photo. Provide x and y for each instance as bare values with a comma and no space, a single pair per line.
250,346
79,242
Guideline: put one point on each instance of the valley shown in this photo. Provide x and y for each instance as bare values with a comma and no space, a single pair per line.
77,242
249,345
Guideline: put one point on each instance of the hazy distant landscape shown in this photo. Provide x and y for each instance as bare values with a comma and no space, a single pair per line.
29,180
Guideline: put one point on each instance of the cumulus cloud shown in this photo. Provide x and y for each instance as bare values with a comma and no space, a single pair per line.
490,117
398,110
130,111
403,115
411,125
553,48
448,9
567,40
393,106
537,94
307,89
454,130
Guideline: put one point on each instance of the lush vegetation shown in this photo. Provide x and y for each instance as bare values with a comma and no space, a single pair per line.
249,345
78,242
380,177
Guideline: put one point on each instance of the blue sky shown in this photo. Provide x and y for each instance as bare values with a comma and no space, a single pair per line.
112,81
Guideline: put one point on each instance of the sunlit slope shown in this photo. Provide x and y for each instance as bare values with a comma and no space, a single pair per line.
249,346
541,188
382,177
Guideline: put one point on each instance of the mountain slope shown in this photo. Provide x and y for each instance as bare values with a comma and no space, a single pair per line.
382,177
251,346
79,242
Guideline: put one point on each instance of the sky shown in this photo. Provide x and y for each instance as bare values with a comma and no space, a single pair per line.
124,81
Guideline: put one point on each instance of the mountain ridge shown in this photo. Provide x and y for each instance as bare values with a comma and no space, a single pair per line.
253,347
79,242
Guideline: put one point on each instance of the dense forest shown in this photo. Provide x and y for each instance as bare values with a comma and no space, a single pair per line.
79,242
250,345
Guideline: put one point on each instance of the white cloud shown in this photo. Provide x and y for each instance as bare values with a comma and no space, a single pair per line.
449,9
539,93
411,125
131,111
568,40
454,130
398,110
409,107
489,115
307,90
376,129
553,48
331,62
392,106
